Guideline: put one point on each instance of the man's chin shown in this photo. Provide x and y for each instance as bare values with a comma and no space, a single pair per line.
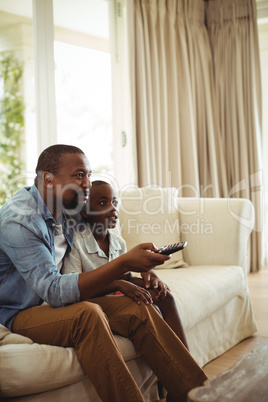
74,207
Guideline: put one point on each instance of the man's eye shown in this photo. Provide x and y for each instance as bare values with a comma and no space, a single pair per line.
80,175
115,203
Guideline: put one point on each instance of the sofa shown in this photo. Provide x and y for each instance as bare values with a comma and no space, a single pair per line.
208,279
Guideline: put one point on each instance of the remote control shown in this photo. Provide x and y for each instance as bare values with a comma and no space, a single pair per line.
172,248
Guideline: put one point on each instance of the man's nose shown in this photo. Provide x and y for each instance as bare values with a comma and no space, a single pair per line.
87,182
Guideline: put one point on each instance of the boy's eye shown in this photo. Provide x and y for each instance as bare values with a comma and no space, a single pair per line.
115,203
80,175
102,202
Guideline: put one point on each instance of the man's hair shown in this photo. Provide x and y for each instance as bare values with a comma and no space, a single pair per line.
50,159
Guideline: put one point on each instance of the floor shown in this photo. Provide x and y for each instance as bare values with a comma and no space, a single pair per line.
258,288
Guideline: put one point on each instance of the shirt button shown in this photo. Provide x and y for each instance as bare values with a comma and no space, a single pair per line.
53,225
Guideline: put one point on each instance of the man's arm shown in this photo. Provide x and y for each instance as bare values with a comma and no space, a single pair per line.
31,257
29,252
138,259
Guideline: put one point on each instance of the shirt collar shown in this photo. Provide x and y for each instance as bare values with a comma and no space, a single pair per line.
92,245
114,243
42,209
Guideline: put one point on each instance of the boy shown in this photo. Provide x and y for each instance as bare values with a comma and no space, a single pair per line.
95,245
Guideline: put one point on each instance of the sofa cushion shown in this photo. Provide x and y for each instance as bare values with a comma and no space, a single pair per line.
7,337
26,369
201,290
33,368
150,214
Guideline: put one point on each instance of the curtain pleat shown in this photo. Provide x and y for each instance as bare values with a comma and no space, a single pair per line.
211,164
179,144
164,92
233,33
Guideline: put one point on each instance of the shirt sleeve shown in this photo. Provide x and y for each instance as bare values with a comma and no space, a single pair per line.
124,246
29,250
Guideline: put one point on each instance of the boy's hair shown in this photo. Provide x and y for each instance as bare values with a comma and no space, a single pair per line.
99,182
51,158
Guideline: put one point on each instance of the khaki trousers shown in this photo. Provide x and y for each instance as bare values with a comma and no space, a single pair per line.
88,326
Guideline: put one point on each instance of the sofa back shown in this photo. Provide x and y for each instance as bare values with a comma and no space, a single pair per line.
216,229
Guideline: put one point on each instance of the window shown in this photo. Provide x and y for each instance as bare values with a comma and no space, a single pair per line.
83,80
82,77
83,101
18,143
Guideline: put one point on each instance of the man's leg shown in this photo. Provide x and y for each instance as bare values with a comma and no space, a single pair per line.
85,327
162,349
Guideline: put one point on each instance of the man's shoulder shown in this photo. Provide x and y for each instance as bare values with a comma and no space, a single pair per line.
23,206
17,203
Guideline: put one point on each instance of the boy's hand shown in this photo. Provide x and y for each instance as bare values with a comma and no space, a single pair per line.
149,277
151,280
135,292
142,258
161,289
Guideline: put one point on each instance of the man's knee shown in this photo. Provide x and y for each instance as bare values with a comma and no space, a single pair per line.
88,312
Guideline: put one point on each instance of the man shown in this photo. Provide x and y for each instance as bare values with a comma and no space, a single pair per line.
36,234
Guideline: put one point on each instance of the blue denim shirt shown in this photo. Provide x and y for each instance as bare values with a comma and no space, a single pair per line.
28,273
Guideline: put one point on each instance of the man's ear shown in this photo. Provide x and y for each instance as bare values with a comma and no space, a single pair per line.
48,179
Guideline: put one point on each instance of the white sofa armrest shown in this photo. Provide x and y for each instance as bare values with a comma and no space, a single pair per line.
217,230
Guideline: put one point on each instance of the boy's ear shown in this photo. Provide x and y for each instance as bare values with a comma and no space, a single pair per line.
48,179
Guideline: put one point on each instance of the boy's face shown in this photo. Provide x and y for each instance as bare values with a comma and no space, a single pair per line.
102,209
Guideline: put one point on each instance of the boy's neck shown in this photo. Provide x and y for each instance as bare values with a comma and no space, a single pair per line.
100,236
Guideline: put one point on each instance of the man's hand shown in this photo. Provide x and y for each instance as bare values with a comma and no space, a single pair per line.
142,258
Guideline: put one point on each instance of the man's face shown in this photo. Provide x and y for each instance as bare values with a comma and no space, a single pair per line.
72,183
103,212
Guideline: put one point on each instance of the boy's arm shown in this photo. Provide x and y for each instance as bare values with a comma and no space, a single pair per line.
127,288
138,259
114,286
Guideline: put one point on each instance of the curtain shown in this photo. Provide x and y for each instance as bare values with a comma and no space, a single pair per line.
178,141
232,28
195,99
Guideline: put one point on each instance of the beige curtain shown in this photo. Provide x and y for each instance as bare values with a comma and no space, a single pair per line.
232,28
195,98
178,139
